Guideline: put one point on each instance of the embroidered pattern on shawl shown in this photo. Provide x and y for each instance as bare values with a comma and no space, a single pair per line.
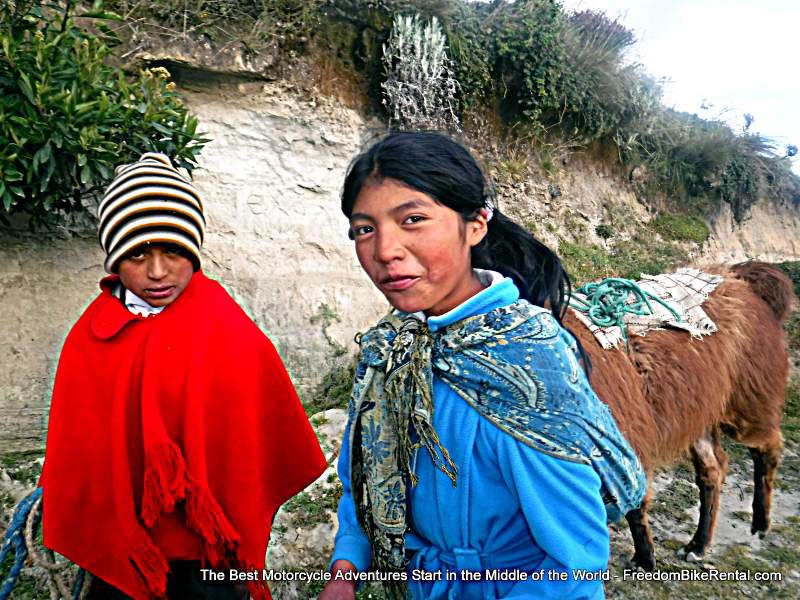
502,363
685,291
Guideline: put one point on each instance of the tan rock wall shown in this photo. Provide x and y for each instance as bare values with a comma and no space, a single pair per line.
769,232
271,176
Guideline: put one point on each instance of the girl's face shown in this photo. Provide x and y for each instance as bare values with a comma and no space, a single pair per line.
415,250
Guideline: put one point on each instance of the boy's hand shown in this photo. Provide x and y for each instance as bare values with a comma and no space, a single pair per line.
340,589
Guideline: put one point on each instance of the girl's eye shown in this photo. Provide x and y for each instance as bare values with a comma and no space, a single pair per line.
137,256
361,230
414,219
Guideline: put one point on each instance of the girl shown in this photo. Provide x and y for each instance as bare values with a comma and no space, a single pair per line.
477,462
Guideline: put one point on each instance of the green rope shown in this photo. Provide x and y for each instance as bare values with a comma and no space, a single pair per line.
606,306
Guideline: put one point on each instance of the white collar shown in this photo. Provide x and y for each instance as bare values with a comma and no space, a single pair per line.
135,304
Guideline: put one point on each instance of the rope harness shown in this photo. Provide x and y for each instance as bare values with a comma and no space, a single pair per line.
21,535
608,301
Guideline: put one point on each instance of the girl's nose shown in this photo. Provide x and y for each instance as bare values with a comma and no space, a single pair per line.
387,247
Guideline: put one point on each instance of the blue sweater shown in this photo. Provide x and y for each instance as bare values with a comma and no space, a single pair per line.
513,509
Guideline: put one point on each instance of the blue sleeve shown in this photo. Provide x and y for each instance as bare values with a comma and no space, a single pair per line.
351,542
561,503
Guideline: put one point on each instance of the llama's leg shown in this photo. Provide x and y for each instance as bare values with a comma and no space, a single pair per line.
711,466
643,555
765,465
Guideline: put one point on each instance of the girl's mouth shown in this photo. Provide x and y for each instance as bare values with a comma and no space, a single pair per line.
397,284
162,292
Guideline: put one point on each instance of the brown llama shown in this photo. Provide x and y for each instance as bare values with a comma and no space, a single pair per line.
671,393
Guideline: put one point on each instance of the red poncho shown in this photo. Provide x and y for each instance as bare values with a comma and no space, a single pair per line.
173,436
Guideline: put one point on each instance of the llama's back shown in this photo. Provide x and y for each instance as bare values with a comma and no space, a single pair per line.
672,388
770,284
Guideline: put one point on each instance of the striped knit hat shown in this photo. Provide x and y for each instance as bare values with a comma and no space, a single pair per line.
150,201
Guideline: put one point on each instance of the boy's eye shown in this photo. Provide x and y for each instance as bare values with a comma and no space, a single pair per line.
414,219
136,256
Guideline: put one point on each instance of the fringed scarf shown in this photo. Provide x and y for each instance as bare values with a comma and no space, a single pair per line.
509,365
189,412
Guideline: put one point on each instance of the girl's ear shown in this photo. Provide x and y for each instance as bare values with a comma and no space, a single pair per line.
477,229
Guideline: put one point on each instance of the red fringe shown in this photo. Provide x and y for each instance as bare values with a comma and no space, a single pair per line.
205,516
258,589
165,482
151,563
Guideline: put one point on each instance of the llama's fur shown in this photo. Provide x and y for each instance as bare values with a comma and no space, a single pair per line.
672,393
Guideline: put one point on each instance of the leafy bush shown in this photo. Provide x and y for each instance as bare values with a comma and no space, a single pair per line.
629,259
680,227
792,269
530,55
691,159
604,230
67,118
471,51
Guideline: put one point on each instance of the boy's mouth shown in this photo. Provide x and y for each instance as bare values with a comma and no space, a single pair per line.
160,292
396,283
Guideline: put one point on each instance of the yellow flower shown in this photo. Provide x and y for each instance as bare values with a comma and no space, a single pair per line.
161,72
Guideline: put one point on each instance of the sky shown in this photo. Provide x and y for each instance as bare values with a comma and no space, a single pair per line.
735,56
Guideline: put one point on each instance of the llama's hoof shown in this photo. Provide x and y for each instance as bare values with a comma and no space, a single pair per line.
691,553
760,525
645,563
695,558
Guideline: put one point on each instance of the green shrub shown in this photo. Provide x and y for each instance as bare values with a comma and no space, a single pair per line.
793,331
471,52
604,230
584,263
600,92
67,118
334,389
530,56
681,227
790,424
628,259
642,254
792,269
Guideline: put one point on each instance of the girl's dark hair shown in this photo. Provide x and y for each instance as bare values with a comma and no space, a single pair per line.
443,169
440,167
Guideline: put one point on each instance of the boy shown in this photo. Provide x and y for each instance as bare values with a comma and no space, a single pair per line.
175,433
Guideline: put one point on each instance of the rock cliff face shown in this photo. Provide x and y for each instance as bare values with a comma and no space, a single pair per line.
276,238
769,232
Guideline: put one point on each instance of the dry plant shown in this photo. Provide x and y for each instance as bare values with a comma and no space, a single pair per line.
420,92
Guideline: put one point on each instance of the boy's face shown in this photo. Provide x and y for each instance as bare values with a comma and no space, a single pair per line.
156,273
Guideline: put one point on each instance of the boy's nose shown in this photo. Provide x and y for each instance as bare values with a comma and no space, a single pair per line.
156,266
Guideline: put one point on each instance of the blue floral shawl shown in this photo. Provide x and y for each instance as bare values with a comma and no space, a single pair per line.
503,363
